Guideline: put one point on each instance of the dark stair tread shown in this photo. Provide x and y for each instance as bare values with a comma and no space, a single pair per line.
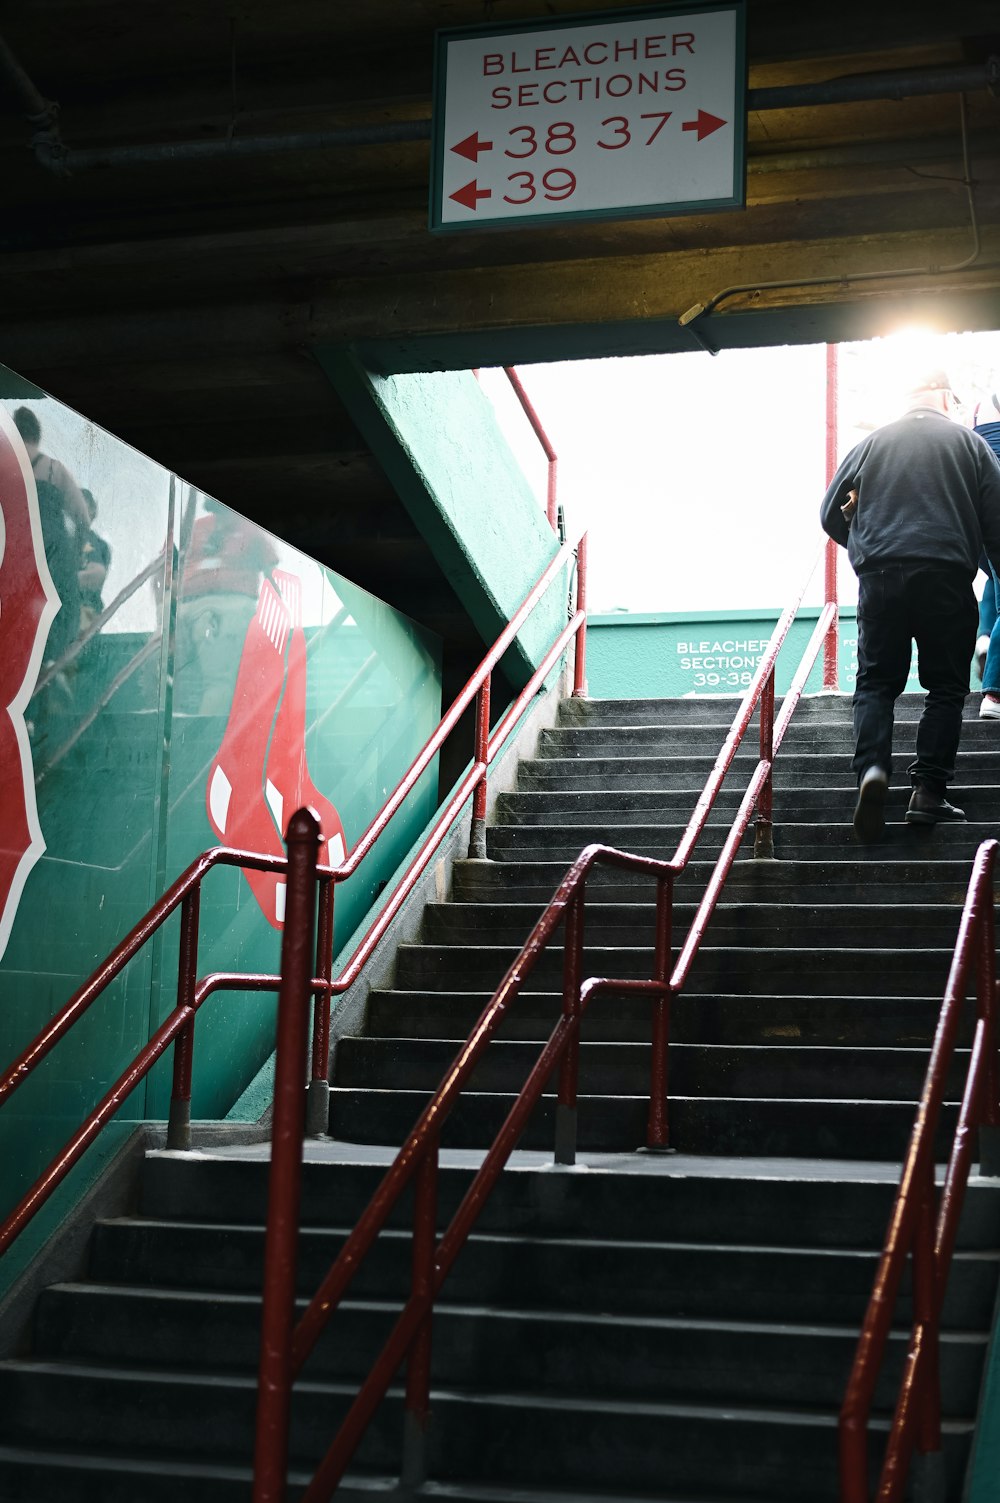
535,1399
146,1464
811,1330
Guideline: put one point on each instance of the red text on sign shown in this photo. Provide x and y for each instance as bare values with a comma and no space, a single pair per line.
557,183
561,90
559,139
543,59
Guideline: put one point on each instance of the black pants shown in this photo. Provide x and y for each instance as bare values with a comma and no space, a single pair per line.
935,608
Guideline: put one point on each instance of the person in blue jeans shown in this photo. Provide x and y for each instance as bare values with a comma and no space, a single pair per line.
915,504
986,422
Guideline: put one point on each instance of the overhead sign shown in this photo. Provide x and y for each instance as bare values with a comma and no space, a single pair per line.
635,112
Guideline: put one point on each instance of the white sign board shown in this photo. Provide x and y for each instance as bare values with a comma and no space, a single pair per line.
629,113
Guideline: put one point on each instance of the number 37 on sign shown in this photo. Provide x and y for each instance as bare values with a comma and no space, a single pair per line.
635,113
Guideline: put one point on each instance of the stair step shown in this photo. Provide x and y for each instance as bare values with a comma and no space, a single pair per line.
48,1476
707,1018
850,880
840,1127
580,1352
976,766
774,1203
698,1280
526,1439
810,842
796,806
719,710
832,738
733,922
846,970
748,1071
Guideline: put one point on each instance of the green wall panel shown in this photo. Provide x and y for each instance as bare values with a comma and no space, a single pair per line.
437,438
664,656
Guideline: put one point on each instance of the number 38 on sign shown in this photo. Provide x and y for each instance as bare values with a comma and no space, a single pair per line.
634,113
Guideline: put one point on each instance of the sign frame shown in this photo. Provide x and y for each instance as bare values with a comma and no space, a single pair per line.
445,36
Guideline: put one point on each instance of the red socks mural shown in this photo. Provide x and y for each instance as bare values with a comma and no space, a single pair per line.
259,776
28,605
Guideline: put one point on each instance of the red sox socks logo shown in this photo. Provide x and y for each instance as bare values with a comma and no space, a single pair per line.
28,604
259,776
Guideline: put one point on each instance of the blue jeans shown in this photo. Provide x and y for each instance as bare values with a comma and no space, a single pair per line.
989,625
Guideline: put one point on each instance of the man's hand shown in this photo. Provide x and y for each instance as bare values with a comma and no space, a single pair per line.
849,507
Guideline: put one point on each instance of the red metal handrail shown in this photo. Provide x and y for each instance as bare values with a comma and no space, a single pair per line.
177,1029
913,1229
418,1158
527,407
185,893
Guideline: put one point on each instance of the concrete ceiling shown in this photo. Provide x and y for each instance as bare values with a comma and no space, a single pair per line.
178,301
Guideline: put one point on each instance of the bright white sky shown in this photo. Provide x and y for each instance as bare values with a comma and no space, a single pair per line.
699,477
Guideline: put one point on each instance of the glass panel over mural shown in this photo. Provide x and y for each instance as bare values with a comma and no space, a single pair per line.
173,677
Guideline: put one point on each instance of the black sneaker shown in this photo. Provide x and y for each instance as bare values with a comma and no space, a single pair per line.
869,811
927,808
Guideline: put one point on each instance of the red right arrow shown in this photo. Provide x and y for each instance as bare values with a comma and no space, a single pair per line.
469,195
472,146
704,125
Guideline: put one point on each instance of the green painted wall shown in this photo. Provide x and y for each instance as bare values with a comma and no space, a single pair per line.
196,670
437,439
662,656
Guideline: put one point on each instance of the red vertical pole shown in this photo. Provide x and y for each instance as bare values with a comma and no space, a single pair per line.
418,1367
830,559
551,503
477,835
318,1102
285,1182
580,645
179,1120
986,993
925,1311
763,839
658,1128
569,1070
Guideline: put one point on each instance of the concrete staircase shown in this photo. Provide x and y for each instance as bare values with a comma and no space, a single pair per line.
670,1328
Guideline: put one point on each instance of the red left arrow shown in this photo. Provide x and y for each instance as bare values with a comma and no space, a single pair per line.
470,195
704,125
472,146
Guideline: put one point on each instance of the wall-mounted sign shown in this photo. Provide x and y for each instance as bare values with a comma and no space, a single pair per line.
634,112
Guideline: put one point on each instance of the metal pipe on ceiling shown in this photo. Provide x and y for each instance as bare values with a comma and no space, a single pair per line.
338,137
962,78
42,113
904,84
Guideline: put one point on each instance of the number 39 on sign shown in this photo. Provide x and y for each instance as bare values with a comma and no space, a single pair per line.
636,113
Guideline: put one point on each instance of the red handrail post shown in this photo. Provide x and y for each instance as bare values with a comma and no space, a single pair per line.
318,1094
285,1182
580,644
179,1120
417,1413
763,835
551,494
658,1128
987,1002
830,642
569,1069
986,989
925,1309
477,834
